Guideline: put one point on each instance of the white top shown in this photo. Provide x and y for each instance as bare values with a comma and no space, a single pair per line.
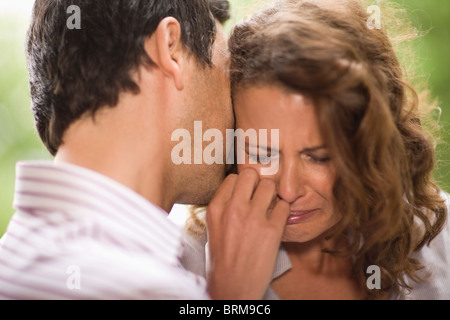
435,258
77,234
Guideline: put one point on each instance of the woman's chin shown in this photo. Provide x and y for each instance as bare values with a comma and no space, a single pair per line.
300,236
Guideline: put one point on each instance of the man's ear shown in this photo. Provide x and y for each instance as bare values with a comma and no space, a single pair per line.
165,49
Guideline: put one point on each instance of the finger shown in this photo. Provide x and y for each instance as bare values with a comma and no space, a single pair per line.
263,197
280,214
218,203
245,186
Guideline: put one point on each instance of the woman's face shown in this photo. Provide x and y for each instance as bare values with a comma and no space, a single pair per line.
305,174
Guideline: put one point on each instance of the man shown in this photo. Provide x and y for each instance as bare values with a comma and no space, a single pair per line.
107,93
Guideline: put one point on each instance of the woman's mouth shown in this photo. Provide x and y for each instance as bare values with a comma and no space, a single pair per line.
298,216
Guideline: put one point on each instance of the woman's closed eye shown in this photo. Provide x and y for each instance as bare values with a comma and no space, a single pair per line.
316,158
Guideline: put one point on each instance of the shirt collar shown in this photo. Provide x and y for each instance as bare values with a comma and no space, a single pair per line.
283,263
43,186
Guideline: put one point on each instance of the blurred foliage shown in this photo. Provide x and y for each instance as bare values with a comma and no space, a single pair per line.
18,139
432,51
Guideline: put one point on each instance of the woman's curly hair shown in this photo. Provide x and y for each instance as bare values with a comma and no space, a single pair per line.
371,120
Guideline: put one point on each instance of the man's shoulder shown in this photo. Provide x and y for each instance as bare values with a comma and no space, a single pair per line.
139,275
90,270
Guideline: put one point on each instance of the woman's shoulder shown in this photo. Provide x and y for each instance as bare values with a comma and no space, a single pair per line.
444,236
435,258
446,197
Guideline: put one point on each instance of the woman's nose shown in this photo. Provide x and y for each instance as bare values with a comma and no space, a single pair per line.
291,181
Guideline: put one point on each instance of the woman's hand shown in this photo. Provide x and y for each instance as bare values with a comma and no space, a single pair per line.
245,225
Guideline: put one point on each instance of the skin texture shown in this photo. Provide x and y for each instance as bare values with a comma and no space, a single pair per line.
304,180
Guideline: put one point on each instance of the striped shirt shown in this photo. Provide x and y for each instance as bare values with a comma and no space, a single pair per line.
77,234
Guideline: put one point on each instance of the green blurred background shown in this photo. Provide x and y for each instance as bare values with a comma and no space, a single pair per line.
18,139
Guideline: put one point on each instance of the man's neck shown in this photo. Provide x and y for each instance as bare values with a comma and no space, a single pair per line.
113,145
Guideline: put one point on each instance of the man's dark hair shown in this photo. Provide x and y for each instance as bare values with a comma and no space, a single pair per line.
76,71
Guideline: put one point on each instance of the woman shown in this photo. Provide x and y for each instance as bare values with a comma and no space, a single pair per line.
355,162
